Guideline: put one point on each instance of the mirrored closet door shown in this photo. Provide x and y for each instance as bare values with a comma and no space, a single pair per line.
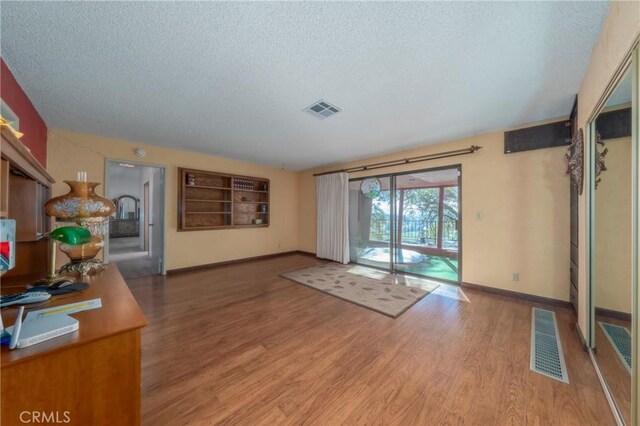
611,147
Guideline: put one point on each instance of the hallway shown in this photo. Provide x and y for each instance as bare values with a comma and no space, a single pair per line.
132,261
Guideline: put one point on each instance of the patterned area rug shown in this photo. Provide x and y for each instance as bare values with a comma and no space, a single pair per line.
377,290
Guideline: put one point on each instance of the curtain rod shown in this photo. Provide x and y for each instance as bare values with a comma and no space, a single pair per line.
408,160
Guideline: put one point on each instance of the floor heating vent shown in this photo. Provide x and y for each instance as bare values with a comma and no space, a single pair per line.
546,349
620,339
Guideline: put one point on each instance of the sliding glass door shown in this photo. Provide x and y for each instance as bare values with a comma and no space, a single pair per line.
410,225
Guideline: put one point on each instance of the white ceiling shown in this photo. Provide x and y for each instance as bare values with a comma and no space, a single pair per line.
231,79
128,173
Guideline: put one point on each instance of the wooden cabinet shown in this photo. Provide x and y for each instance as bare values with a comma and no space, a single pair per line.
25,186
26,205
44,221
124,228
23,198
93,374
4,187
210,200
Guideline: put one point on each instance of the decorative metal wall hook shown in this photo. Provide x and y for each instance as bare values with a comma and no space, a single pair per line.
599,160
575,161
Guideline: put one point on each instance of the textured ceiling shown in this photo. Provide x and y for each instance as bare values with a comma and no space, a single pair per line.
231,79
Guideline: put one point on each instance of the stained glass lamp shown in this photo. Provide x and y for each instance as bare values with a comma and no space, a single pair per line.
83,207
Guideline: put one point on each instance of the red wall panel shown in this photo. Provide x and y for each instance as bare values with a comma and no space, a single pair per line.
31,124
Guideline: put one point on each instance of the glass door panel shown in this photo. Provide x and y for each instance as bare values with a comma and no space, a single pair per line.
451,220
370,222
428,223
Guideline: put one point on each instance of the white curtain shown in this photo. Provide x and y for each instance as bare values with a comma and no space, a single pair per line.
332,204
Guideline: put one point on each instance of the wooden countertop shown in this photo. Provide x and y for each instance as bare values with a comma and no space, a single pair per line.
119,313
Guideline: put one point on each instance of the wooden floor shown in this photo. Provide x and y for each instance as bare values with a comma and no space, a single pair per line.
240,345
138,268
132,261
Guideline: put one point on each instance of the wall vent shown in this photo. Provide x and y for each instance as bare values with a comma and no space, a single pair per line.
546,348
620,339
322,109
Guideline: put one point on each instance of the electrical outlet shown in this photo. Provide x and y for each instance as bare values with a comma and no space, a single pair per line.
515,276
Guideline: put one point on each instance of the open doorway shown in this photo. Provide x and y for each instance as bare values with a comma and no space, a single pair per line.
412,224
136,229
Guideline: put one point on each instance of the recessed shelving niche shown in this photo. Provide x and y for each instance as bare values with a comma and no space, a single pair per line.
210,200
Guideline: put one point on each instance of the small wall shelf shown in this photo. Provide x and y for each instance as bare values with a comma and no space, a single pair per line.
211,200
207,201
210,187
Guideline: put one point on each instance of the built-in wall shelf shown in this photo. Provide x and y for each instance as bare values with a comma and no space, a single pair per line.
210,187
211,200
208,213
25,186
246,190
207,201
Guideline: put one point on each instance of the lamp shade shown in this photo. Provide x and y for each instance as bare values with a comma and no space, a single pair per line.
80,203
72,235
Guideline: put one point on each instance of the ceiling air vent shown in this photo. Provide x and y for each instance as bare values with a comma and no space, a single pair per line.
322,109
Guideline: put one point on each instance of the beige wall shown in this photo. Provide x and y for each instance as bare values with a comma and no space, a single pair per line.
619,33
524,200
612,203
69,152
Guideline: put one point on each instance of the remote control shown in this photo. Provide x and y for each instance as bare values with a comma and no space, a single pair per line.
23,298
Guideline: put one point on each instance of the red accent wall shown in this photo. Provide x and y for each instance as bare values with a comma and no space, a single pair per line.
31,124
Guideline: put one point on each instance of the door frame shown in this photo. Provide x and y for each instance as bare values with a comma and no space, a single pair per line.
146,189
163,193
392,226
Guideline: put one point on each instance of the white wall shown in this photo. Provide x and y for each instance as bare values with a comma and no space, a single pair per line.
124,181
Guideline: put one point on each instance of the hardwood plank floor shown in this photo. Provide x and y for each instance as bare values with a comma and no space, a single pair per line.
241,345
138,267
